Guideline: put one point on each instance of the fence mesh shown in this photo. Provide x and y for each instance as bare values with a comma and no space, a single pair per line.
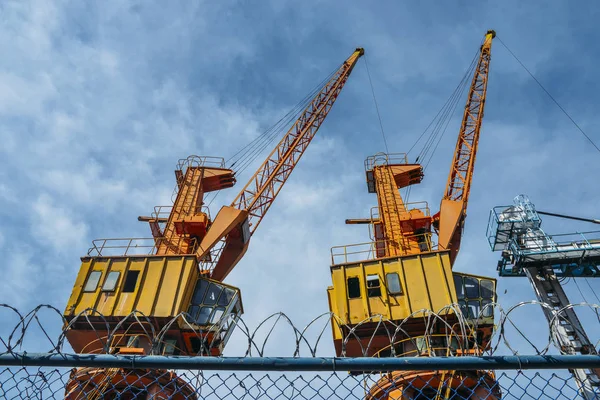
42,334
56,383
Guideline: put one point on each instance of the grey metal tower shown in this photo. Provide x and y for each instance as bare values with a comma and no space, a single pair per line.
528,251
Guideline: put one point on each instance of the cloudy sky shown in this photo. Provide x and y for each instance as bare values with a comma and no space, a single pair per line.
98,101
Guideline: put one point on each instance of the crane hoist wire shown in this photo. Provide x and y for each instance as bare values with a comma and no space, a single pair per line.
376,105
595,310
246,155
438,125
442,118
550,96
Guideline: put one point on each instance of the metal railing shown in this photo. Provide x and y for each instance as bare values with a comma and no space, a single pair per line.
377,249
114,247
385,159
200,161
162,212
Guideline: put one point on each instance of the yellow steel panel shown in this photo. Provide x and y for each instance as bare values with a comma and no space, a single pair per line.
106,300
358,308
189,277
78,287
335,323
437,281
417,294
169,285
338,295
89,299
398,303
449,277
150,284
126,302
163,288
377,304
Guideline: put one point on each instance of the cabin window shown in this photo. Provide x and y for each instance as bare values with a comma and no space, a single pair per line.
92,282
487,289
460,288
213,294
473,296
216,315
193,311
130,281
353,287
393,283
471,288
110,283
474,309
204,315
487,311
226,297
373,286
199,291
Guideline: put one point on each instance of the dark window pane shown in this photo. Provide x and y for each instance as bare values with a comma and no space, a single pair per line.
130,281
460,287
393,283
193,311
226,297
216,316
201,286
92,282
489,311
204,315
373,287
213,294
487,289
463,308
471,288
474,309
353,288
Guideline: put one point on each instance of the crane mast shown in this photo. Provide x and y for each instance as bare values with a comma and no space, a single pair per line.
453,207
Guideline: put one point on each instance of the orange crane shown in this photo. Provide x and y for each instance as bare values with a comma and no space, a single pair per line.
384,291
172,284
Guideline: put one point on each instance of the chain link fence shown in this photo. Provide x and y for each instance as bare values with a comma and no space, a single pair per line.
36,362
95,383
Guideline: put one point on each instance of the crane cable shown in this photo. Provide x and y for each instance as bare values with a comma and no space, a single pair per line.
549,95
246,155
441,121
585,300
376,106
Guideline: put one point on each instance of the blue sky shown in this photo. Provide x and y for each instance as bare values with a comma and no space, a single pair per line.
98,101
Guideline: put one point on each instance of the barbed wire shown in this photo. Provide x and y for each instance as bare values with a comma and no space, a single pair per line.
106,331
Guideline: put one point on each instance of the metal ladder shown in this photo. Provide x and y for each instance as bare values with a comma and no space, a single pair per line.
567,329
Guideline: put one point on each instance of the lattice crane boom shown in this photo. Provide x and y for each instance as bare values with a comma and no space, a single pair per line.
235,224
260,191
453,206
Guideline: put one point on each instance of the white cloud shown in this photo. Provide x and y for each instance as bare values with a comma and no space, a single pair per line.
55,226
98,105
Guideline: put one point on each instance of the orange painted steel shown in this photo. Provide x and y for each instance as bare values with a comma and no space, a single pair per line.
258,194
403,234
453,207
